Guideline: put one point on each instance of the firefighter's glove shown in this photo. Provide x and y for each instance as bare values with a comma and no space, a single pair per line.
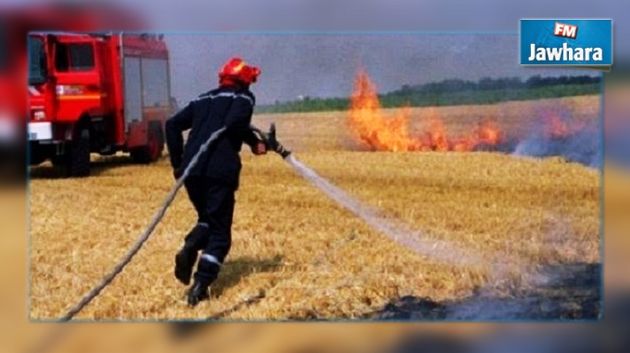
259,148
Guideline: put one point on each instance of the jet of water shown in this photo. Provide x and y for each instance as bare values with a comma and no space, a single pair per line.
439,250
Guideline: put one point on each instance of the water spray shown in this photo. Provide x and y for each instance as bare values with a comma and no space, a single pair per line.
271,143
435,249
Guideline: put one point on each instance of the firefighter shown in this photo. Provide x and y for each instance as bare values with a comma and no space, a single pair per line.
213,181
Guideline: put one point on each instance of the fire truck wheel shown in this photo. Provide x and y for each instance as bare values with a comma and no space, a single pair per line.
78,157
153,150
58,161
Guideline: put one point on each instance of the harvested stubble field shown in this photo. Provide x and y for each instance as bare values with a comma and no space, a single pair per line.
298,255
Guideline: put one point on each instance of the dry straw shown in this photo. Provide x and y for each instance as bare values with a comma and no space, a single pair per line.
303,254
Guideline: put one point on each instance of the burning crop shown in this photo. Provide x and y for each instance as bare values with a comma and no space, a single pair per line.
552,131
379,132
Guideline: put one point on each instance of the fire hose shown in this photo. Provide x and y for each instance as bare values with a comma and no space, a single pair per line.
271,143
439,250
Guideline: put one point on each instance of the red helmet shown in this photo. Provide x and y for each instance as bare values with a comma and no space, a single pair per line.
237,71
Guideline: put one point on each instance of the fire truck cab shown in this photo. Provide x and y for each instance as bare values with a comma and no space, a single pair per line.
96,93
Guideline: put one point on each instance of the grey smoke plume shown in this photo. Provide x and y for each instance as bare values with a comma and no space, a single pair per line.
557,134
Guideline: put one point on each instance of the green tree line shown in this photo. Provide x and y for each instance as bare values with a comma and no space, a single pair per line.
456,92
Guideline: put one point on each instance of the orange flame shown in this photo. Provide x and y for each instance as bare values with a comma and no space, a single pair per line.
381,133
367,121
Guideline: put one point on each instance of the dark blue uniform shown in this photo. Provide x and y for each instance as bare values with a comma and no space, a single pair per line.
213,181
229,107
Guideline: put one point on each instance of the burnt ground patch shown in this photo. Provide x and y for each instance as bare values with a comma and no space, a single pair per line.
569,292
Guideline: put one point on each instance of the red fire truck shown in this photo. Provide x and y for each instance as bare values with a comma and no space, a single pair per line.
96,93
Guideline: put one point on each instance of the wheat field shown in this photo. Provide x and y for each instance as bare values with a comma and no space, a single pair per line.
298,255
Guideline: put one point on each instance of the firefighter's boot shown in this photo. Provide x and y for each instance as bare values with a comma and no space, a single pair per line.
187,256
184,262
208,269
197,292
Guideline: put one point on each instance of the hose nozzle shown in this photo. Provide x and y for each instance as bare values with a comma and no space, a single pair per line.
271,142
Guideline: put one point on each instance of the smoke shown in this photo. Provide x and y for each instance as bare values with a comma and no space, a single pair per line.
556,133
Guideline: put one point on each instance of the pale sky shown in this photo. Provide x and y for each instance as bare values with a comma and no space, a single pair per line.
324,65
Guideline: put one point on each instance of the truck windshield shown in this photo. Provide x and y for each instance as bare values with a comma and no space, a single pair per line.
36,61
74,57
